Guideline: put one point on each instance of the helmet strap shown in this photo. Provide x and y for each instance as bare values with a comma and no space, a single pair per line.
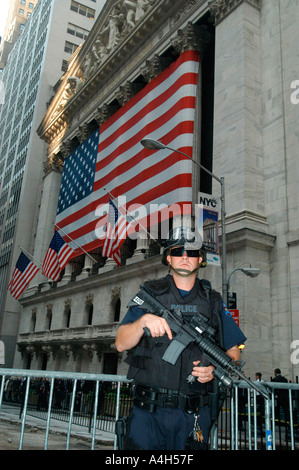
184,272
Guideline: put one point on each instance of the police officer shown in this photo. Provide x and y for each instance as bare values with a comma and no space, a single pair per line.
167,407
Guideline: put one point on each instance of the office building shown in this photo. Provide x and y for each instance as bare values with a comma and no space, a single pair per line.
30,77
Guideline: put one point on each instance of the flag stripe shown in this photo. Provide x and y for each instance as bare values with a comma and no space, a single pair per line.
164,110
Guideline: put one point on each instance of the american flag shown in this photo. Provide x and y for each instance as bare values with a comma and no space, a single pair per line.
24,271
116,233
57,256
114,159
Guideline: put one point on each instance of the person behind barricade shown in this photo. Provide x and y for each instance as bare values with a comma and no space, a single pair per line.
281,395
260,404
42,391
168,410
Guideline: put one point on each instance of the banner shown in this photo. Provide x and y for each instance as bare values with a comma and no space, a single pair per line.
208,219
113,158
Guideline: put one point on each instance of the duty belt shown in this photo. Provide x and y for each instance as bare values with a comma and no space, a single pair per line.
149,398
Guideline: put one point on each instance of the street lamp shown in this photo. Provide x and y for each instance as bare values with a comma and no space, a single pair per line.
251,272
152,144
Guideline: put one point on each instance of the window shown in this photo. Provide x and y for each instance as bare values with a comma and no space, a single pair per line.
70,47
117,310
48,319
21,11
64,66
90,314
33,321
67,316
77,31
110,363
31,5
82,10
23,2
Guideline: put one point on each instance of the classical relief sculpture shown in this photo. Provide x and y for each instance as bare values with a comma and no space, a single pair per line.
114,28
94,57
121,21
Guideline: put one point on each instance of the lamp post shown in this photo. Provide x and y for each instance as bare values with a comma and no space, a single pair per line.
152,144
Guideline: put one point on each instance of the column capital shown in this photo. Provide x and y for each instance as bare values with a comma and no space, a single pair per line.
191,37
54,163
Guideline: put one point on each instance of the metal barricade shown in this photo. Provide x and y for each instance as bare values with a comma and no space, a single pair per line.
248,421
51,376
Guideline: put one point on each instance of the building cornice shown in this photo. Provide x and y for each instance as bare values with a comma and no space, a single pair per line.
220,9
115,276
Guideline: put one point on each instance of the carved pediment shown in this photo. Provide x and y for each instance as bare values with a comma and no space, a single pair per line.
114,23
99,62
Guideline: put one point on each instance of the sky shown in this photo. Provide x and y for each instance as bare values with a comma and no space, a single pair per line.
4,4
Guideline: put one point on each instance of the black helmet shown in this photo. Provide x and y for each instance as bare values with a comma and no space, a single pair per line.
186,237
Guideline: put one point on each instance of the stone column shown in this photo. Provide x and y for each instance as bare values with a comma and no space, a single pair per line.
47,214
140,250
66,278
88,263
109,265
238,111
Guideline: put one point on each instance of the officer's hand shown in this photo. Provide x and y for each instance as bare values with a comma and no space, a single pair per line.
157,326
202,373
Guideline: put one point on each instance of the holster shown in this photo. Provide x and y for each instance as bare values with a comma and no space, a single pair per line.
122,431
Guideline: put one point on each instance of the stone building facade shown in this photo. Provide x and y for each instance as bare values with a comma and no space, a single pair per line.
245,131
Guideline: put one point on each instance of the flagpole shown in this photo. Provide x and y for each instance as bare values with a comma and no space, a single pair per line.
38,262
95,261
110,194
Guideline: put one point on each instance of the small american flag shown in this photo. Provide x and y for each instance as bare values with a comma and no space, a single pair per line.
24,271
117,227
57,256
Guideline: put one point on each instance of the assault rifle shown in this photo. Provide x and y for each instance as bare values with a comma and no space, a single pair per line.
194,329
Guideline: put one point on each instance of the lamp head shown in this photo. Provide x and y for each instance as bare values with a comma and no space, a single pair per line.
152,144
251,272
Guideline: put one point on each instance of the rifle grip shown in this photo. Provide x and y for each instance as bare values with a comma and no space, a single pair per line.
147,332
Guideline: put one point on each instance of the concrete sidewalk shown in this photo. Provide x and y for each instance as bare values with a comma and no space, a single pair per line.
58,430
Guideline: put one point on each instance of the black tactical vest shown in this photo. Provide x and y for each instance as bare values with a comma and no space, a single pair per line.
146,364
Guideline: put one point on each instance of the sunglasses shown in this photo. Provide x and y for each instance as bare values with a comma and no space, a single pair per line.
179,251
